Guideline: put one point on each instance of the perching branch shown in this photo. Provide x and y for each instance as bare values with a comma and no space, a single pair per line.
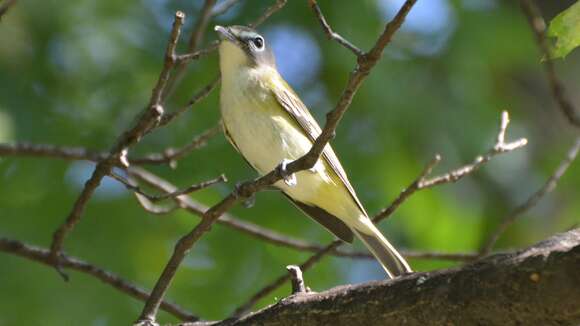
41,255
515,288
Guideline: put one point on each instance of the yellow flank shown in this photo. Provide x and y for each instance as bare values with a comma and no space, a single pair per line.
265,135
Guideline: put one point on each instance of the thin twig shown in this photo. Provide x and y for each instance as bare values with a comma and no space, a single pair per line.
421,182
532,201
538,26
173,194
43,256
51,151
332,35
171,155
500,147
152,208
185,58
200,95
149,117
194,41
168,156
222,7
407,192
268,13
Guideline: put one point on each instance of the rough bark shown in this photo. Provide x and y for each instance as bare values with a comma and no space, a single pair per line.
539,285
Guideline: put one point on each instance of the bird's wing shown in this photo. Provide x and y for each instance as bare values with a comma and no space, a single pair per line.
292,104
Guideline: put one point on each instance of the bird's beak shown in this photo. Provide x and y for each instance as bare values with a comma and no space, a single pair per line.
225,33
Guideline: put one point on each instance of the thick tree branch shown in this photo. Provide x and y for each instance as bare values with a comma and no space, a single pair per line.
43,256
535,286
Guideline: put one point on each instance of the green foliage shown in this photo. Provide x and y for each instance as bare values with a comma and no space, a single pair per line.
75,73
566,29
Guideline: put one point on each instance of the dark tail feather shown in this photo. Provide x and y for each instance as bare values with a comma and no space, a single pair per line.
391,261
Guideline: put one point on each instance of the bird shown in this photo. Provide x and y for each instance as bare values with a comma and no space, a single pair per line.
268,124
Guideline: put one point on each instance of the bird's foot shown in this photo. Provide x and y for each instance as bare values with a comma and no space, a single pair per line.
289,179
249,202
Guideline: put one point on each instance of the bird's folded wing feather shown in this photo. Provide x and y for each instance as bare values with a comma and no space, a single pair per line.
292,104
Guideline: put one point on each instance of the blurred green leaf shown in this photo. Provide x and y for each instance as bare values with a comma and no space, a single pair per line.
566,29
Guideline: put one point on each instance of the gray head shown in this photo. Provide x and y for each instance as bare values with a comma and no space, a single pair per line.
243,45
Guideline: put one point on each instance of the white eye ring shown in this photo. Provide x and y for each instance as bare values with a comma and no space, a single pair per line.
258,43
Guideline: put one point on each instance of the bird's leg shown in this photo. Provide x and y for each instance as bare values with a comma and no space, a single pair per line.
290,180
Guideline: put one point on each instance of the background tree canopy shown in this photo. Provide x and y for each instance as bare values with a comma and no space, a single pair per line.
76,73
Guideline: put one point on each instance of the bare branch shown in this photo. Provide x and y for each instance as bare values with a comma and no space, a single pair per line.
200,95
186,58
223,7
533,200
194,41
500,147
201,25
149,118
268,12
52,151
538,26
173,194
169,156
152,208
407,192
330,33
43,256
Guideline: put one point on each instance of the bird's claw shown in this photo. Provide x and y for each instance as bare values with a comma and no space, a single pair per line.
249,202
289,179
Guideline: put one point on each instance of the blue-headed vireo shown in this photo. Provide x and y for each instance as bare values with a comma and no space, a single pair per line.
268,124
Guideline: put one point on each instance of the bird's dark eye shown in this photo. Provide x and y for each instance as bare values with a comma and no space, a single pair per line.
259,42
